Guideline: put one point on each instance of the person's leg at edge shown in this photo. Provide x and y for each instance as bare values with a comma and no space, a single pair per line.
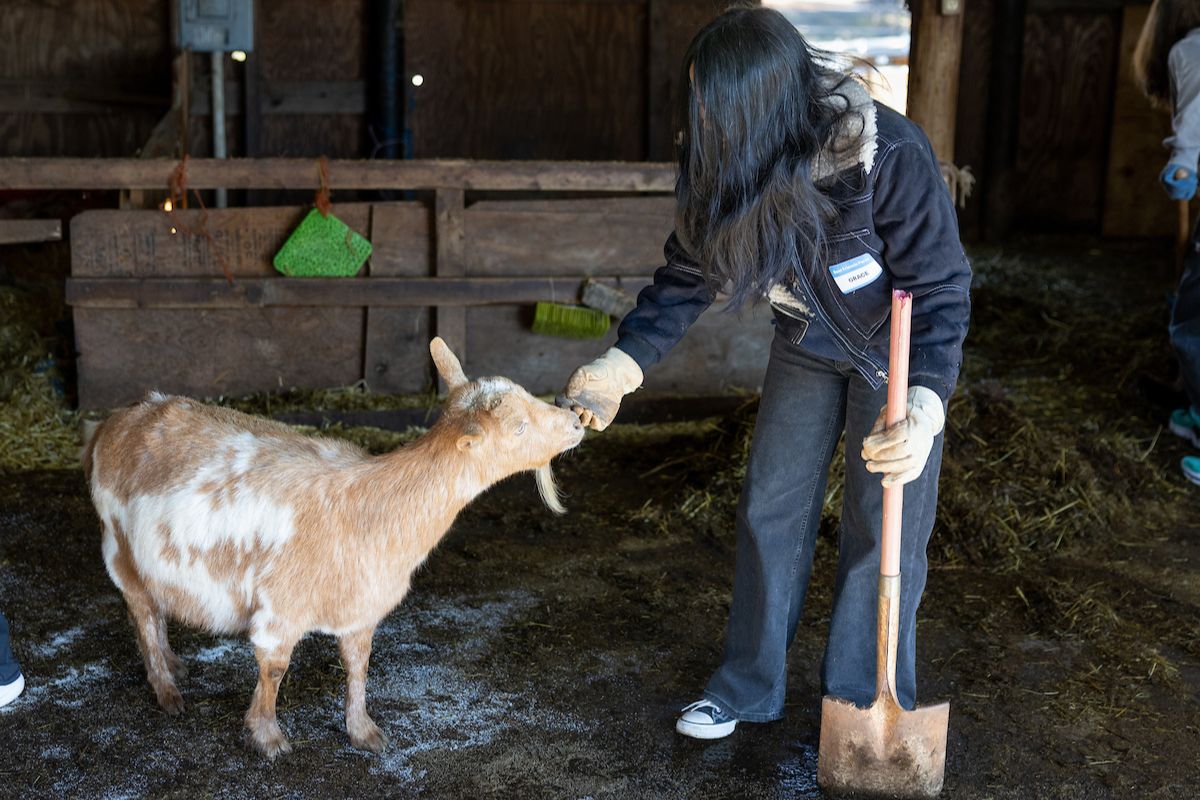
1185,339
11,680
848,670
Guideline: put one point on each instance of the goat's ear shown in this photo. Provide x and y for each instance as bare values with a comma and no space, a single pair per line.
471,436
469,440
447,363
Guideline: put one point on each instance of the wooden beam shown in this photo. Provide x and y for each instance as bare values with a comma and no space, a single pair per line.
933,71
373,292
297,173
25,231
290,97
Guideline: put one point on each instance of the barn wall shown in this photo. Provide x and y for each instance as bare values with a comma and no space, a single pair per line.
552,79
81,77
1080,148
545,79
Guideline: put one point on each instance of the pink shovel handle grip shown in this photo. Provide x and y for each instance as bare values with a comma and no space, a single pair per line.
897,410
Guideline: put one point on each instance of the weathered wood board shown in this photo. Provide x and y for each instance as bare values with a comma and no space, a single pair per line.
153,309
1066,95
1134,202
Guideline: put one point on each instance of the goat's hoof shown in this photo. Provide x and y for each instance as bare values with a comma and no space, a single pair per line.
268,739
170,700
368,737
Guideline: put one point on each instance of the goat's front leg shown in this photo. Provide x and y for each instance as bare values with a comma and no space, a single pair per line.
356,652
263,727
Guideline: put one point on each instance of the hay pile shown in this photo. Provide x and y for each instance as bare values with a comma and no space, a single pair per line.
1049,440
37,428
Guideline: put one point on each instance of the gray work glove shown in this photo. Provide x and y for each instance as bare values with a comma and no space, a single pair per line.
900,452
594,391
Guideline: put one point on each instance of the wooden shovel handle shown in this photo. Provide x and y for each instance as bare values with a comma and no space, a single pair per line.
897,410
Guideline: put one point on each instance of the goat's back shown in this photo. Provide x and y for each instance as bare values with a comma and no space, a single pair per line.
202,505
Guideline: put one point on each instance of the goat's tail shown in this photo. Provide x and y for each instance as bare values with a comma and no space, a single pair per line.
88,428
548,489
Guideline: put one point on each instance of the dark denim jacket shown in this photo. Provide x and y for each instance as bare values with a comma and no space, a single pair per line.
900,213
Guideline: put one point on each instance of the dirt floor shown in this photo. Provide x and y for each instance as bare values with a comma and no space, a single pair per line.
546,657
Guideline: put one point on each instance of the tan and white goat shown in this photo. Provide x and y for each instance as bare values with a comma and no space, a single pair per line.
233,523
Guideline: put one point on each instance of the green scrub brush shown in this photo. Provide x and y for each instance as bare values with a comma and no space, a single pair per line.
570,322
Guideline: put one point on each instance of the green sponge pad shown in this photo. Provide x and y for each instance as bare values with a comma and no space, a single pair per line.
322,247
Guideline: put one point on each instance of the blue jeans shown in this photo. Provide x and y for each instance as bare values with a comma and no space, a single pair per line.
1185,322
9,670
806,403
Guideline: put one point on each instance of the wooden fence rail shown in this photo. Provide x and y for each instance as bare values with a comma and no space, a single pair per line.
302,173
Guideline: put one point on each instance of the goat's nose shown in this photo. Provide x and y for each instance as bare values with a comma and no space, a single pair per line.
575,423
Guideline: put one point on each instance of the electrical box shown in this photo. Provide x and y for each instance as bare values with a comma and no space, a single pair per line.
219,26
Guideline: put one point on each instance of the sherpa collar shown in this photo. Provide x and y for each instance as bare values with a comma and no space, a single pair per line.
855,141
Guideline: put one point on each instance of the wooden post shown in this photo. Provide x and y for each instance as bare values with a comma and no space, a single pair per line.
933,71
450,322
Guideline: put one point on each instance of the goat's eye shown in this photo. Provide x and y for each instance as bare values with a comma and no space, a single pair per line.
521,428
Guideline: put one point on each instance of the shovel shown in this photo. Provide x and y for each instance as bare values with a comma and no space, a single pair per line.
883,750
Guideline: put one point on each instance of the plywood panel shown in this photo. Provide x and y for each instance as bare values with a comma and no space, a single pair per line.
1134,202
129,244
123,353
123,43
607,236
527,79
396,342
1066,101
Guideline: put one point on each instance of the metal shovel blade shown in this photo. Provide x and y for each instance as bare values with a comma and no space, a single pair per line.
883,750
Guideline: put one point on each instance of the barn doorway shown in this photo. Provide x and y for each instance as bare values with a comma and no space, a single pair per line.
873,34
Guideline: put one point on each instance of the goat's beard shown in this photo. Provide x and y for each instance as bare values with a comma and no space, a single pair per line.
548,489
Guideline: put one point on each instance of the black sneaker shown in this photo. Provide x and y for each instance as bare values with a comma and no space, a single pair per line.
704,719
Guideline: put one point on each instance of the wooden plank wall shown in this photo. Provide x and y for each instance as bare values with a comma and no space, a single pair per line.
530,79
1088,146
1134,205
208,351
82,77
550,79
1066,107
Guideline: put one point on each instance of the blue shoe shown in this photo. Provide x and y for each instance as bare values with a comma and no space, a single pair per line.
1185,423
11,691
703,719
1191,468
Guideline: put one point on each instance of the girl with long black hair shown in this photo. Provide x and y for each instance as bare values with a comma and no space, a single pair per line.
796,188
1167,65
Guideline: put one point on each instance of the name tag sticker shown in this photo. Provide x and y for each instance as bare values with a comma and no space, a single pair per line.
856,273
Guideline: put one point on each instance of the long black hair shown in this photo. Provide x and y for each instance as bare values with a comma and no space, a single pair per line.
1167,23
755,116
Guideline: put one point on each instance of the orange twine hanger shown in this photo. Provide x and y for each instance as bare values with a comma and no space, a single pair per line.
177,188
323,201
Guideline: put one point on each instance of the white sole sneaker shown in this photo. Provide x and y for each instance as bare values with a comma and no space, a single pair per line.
704,720
705,730
11,691
1187,434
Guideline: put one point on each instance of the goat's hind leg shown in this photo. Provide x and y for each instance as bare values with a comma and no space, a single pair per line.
261,723
356,652
148,623
175,664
